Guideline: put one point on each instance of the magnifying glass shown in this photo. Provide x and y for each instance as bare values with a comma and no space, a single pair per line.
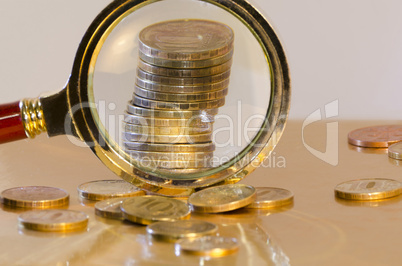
97,107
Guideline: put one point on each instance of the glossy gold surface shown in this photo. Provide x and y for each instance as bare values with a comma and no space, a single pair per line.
318,229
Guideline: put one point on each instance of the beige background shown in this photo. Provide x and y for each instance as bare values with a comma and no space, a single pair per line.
348,51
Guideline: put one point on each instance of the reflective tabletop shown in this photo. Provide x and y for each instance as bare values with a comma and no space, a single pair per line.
318,229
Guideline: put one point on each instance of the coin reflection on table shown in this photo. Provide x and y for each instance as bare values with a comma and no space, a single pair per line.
368,150
35,197
211,246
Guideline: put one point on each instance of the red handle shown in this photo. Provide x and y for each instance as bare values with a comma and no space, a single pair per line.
11,126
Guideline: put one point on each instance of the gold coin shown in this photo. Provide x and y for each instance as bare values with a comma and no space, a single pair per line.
212,246
149,209
185,72
153,86
180,97
181,114
166,122
170,156
171,231
177,147
186,63
368,189
176,106
110,208
395,151
186,171
182,81
166,130
105,189
186,39
149,138
222,198
35,197
53,220
268,197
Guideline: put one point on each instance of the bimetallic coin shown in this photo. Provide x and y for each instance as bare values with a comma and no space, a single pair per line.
110,208
172,231
368,189
212,246
172,106
376,137
53,220
157,147
269,197
186,63
205,115
182,81
170,156
152,86
148,209
222,198
166,130
150,138
180,97
185,72
166,122
395,151
186,39
105,189
35,197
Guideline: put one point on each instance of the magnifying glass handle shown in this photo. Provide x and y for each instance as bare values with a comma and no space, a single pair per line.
20,120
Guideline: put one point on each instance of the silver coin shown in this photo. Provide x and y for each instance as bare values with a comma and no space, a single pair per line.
150,138
147,103
180,97
182,81
185,72
207,114
153,86
163,122
157,147
166,130
170,156
184,164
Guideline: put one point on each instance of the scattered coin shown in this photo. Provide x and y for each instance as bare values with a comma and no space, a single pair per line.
110,208
148,209
53,220
36,197
395,151
212,246
376,136
105,189
368,189
268,197
171,231
222,198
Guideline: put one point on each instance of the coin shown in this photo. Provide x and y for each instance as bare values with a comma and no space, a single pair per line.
222,198
166,130
153,86
183,164
53,220
368,189
206,115
105,189
36,197
176,147
172,106
376,136
149,138
110,208
180,97
148,209
170,156
395,151
165,122
184,63
186,81
212,246
186,39
268,197
171,231
185,72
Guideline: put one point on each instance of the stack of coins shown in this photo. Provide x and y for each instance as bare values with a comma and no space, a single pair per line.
182,80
